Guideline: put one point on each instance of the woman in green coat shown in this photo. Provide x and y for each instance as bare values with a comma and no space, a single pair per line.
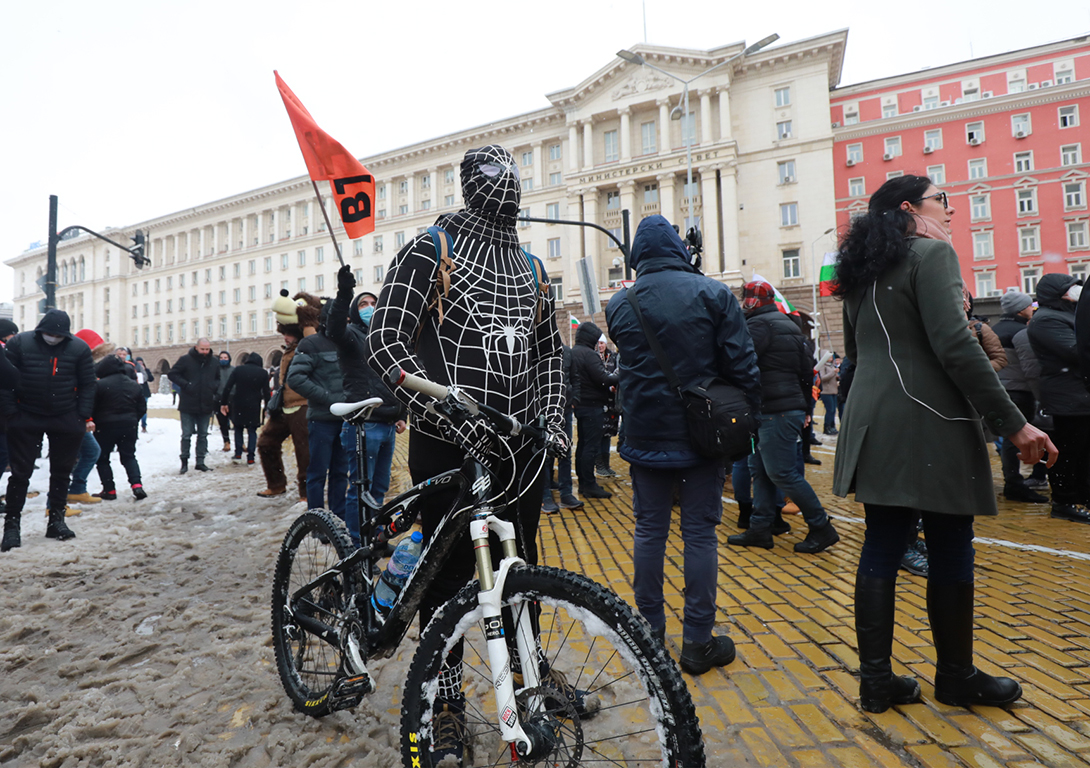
911,440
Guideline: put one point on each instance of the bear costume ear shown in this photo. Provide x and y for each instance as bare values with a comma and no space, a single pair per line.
308,310
285,309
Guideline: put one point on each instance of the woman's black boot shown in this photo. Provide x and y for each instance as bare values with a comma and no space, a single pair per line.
879,688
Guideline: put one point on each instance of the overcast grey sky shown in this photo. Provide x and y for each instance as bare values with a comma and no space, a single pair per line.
128,110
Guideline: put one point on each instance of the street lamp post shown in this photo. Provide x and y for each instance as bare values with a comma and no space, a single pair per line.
635,58
814,278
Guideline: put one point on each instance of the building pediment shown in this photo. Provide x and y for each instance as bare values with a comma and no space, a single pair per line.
979,188
646,82
1026,181
1074,176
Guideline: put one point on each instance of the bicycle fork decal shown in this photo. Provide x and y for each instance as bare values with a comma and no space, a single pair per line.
414,749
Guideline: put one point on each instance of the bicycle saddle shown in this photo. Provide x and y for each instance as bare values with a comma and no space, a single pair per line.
352,411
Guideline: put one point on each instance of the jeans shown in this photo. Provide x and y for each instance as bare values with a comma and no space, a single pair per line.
123,436
949,544
563,466
775,465
144,418
381,440
591,421
829,401
195,423
741,481
701,493
89,451
251,444
327,457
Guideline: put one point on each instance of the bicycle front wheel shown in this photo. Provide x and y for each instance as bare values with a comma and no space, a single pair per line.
610,694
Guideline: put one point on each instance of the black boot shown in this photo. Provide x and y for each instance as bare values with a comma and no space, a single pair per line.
879,688
56,528
818,539
779,525
1019,492
12,539
957,682
185,466
745,509
698,658
752,538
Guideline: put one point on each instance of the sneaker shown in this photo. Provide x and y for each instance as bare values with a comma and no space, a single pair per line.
604,472
104,496
83,498
236,459
818,539
569,501
595,492
1071,512
1036,483
449,729
752,538
698,658
1020,492
914,562
585,705
139,492
832,431
549,506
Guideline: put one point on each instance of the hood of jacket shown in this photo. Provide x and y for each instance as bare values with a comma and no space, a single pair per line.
588,334
56,323
254,359
202,359
354,309
1050,291
109,365
656,239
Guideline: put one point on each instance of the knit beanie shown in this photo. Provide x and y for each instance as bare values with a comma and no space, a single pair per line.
1013,302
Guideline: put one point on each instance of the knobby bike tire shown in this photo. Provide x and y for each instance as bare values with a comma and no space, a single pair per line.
646,716
307,664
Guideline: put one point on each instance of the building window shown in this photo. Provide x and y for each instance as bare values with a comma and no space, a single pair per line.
688,129
284,261
283,285
1027,201
970,93
980,207
789,215
253,322
1021,126
268,263
851,118
982,245
931,102
612,153
1070,154
251,266
552,211
223,327
358,273
617,232
378,273
650,193
783,129
556,178
302,284
553,244
380,191
792,263
1080,271
251,293
855,153
1074,195
555,152
978,168
402,210
691,190
857,187
1028,241
889,110
1064,76
208,299
1017,85
448,201
527,159
319,254
223,272
1076,235
1030,276
786,171
933,139
525,214
403,187
302,258
425,181
223,298
937,174
399,240
1069,116
237,295
648,136
893,146
268,290
319,283
426,204
894,175
783,96
556,286
613,200
1023,162
376,244
985,283
974,133
449,176
527,184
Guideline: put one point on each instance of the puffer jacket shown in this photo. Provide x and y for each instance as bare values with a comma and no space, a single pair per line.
1052,334
54,379
247,388
787,368
348,331
198,380
700,325
589,379
1012,375
988,341
118,399
316,375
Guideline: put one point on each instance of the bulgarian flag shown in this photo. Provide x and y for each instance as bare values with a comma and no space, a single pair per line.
828,274
574,322
782,303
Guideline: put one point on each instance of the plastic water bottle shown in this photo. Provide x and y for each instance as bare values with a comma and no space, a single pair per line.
397,572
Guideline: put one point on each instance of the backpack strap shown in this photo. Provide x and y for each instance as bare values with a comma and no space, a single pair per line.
541,279
444,265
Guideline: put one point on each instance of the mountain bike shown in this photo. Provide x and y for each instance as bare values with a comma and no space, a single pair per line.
547,667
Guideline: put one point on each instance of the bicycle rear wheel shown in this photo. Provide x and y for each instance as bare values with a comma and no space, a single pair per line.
308,665
644,716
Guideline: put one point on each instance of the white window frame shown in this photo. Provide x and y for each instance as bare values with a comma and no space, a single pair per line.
980,207
786,171
981,164
1028,277
1076,236
649,138
1026,198
889,110
857,187
556,178
555,152
612,147
985,283
1064,76
930,102
792,264
613,200
892,146
1029,240
974,130
855,153
937,174
1023,161
1021,123
1072,152
932,139
783,130
983,245
527,159
1074,195
782,96
789,214
1067,116
552,246
650,193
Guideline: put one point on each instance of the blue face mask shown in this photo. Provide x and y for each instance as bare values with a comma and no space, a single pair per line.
225,363
365,314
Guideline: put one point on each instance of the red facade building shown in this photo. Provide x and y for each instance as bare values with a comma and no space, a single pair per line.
1005,136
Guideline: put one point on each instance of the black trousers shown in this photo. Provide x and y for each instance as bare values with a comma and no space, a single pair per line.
225,425
122,436
428,456
591,422
25,434
949,544
1070,475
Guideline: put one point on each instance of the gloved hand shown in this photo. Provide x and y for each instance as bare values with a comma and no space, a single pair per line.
346,281
557,443
476,436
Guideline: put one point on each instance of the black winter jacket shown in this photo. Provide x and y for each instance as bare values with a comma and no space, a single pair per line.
590,381
1011,375
247,388
9,382
198,380
316,375
118,399
787,368
1052,334
699,324
1082,333
53,379
348,331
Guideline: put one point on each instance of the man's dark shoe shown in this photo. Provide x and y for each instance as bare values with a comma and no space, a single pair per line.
815,441
745,509
698,658
968,686
832,431
56,528
106,495
549,506
752,538
12,539
185,467
1036,483
138,492
569,501
915,562
779,525
449,730
818,540
808,459
595,492
202,467
1070,512
1019,492
604,472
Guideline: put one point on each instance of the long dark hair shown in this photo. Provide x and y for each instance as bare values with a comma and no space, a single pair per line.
876,240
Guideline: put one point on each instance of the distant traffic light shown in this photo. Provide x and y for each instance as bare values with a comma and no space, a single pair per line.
137,250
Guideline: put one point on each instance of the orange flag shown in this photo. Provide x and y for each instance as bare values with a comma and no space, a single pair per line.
353,185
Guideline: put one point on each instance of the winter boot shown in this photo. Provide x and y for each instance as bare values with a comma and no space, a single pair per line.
745,509
874,618
185,466
601,467
957,682
56,527
818,539
779,525
1019,492
138,492
12,539
594,492
698,658
752,538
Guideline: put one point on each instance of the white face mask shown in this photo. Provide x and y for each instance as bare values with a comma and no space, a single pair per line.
52,340
1073,293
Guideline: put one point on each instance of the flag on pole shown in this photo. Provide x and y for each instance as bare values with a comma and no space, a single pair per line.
353,185
782,303
574,322
828,274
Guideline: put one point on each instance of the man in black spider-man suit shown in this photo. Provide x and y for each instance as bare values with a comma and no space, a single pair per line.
492,342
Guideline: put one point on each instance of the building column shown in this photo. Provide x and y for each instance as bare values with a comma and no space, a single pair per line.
732,261
628,200
202,239
539,165
713,257
247,232
410,197
573,147
626,134
260,224
593,240
664,125
667,203
576,202
588,145
706,117
217,237
726,130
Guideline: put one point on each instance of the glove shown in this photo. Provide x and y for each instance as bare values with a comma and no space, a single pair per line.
557,443
346,281
476,436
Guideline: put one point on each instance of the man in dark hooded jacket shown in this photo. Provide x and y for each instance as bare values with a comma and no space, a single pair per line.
119,405
590,383
1064,395
698,322
197,375
55,397
247,389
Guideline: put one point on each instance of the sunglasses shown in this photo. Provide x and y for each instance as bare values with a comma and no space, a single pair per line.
940,196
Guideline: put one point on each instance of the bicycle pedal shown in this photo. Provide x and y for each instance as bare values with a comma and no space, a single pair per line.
349,691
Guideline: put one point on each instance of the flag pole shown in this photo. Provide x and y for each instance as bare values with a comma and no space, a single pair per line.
328,223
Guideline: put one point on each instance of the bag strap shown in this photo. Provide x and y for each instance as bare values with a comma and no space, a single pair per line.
653,341
540,281
444,265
